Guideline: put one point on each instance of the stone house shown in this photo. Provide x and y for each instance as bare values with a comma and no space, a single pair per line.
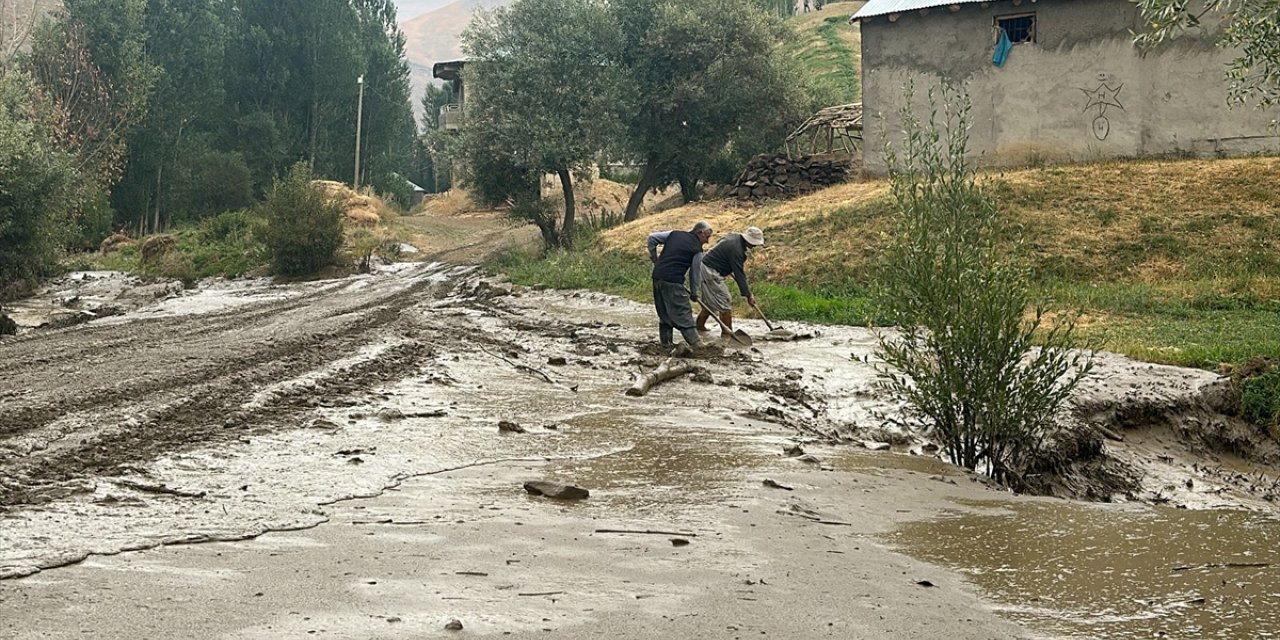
1071,87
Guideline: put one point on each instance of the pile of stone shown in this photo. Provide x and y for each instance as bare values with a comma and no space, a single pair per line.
777,176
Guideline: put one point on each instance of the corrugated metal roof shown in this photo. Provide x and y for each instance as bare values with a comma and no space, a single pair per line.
885,7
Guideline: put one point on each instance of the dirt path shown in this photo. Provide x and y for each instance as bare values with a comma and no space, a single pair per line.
219,417
466,238
359,419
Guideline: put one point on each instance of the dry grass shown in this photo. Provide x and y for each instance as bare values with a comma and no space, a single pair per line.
1151,221
361,210
1162,223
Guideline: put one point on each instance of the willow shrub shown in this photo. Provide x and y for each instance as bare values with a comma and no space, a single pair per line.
973,368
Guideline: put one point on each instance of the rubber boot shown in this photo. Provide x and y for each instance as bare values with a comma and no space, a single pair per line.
666,335
691,336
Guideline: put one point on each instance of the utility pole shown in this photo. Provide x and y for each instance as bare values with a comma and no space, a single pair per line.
359,120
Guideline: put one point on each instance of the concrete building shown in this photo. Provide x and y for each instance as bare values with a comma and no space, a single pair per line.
1072,86
451,114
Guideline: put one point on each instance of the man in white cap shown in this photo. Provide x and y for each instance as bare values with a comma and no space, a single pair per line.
728,257
681,254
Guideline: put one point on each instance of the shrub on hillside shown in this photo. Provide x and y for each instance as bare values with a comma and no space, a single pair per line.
1257,387
1260,399
231,227
304,224
966,360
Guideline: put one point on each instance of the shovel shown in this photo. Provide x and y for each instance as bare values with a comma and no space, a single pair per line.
766,320
739,336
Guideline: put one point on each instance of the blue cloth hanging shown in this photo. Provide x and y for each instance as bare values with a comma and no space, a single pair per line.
1002,49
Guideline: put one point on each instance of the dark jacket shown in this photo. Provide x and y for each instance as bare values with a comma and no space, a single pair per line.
681,254
729,256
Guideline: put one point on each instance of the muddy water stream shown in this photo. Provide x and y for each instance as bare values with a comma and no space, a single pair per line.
1115,571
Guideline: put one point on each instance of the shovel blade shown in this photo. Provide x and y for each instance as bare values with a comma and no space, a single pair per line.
742,338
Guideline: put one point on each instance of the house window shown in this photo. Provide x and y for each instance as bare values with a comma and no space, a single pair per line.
1020,28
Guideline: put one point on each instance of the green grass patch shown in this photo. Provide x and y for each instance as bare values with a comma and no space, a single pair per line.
788,302
840,58
224,245
1204,340
584,269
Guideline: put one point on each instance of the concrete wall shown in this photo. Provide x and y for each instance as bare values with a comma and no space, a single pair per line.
1081,92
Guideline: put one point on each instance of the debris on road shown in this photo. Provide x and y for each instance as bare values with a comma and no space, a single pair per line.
556,490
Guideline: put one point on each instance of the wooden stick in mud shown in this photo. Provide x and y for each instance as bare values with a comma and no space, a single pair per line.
668,370
648,532
159,488
528,369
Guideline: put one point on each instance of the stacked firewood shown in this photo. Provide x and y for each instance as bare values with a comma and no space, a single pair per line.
777,176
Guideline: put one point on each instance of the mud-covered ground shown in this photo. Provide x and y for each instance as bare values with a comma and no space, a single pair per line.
241,407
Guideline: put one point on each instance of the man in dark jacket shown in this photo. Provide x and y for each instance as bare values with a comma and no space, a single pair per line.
729,256
681,254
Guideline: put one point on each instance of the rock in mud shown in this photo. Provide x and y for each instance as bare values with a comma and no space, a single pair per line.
320,423
793,451
506,426
453,625
556,490
557,361
389,414
7,326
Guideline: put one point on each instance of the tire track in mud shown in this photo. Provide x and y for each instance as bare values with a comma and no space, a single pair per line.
158,341
111,425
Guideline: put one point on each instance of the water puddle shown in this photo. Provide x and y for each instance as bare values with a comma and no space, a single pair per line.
1115,571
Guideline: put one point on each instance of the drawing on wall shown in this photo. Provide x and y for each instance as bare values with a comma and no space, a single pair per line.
1102,97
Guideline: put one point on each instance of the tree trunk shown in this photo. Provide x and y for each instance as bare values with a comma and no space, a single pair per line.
567,229
669,369
155,225
689,188
314,136
647,177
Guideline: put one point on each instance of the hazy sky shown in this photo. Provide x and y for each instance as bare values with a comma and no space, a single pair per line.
410,9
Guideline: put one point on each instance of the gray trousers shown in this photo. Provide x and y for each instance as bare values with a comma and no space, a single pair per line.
671,299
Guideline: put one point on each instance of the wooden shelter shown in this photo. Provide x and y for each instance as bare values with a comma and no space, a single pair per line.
825,129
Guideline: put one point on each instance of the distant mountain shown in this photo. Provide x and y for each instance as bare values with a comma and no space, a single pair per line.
436,36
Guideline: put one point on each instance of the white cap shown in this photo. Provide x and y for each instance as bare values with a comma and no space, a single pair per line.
754,236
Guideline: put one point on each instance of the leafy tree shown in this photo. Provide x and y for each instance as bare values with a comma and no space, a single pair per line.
966,360
781,8
38,188
388,132
291,79
89,113
542,93
186,43
433,159
698,75
1252,26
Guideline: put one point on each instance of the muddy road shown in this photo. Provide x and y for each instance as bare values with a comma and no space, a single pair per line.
381,428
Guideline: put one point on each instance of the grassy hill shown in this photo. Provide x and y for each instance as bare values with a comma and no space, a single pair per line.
828,51
1169,261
